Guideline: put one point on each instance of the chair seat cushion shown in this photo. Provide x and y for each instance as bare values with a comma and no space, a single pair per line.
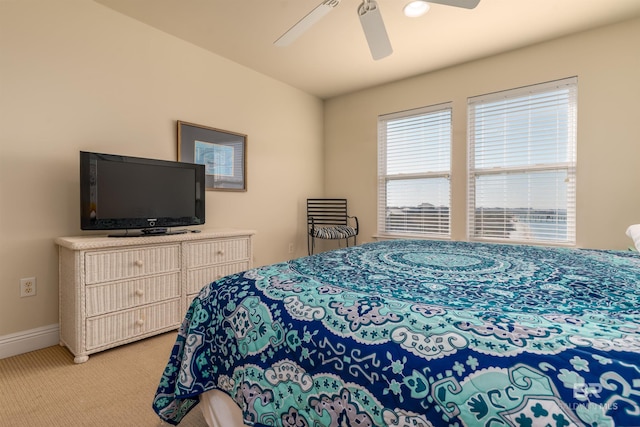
334,232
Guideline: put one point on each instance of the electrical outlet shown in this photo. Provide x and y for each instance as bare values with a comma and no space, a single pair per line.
290,248
28,287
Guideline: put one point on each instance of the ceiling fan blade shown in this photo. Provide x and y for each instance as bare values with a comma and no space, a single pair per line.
467,4
307,22
374,29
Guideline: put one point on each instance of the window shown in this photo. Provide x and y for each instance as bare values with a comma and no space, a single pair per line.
414,162
522,161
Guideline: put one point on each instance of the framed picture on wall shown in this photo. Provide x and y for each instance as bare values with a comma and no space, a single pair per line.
223,154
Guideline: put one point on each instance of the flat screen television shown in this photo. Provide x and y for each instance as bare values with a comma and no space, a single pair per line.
142,196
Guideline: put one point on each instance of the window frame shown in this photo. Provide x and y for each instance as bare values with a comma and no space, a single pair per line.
383,224
568,166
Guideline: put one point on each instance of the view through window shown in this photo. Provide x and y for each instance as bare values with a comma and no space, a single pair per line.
522,161
414,163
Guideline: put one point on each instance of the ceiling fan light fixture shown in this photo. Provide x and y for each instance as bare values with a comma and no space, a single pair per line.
416,8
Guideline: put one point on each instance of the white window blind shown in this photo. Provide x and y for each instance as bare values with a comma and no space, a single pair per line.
414,162
522,162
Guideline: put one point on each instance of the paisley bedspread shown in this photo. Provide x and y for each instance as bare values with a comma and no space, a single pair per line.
418,333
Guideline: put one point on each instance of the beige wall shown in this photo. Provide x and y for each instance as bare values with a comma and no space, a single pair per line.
75,75
607,63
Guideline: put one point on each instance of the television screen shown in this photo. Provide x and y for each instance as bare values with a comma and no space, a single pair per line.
123,192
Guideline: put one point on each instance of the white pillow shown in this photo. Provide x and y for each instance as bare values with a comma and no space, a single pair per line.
634,232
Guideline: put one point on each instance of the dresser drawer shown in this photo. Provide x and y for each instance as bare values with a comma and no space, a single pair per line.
198,278
107,266
126,325
217,251
113,296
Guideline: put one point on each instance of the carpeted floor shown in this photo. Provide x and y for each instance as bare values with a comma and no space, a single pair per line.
114,388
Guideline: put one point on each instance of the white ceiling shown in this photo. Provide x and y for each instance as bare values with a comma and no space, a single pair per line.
333,58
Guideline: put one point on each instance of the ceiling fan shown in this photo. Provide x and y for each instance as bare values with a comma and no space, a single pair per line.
370,18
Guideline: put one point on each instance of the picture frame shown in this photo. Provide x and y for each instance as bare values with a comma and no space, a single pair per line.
223,153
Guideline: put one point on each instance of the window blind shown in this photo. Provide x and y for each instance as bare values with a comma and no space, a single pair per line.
414,163
522,163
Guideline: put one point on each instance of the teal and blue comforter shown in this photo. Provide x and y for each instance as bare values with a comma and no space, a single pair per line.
418,333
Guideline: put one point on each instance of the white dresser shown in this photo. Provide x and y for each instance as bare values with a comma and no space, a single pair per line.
115,290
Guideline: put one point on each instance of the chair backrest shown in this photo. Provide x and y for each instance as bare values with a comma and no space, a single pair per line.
327,211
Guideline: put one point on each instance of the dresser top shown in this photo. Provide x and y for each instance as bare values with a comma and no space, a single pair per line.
96,241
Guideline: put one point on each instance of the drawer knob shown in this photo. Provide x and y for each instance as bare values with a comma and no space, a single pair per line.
139,292
139,263
140,322
220,252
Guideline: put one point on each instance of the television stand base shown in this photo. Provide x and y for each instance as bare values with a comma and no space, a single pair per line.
155,230
148,232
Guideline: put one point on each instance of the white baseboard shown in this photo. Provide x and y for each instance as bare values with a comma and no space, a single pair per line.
26,341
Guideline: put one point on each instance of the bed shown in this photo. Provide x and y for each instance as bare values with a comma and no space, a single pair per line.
416,333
